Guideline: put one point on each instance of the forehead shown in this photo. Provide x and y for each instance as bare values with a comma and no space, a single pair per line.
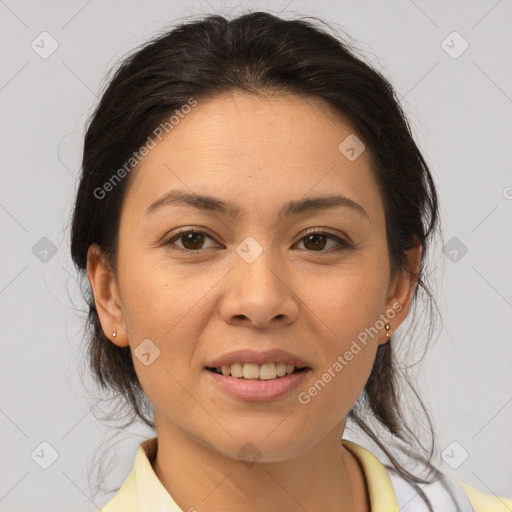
231,124
255,149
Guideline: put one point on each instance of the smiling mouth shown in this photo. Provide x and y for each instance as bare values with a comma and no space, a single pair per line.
252,371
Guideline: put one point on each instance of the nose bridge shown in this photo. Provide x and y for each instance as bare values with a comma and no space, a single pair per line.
257,263
258,288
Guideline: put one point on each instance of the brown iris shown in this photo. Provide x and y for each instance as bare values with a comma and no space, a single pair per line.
195,240
317,245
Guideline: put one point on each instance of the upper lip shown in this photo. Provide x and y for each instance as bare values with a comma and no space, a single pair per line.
251,356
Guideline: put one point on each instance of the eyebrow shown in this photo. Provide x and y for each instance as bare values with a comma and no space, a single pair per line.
213,204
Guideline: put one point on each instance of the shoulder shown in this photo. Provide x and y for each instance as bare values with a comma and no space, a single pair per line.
142,490
445,493
483,502
126,497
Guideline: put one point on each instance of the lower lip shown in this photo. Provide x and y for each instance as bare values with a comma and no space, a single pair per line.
259,390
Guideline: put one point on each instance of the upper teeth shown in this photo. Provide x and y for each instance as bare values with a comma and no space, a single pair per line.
255,371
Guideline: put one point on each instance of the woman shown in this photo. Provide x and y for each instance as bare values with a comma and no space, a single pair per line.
253,217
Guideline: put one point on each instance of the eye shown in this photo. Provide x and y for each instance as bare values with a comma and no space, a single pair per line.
192,240
316,241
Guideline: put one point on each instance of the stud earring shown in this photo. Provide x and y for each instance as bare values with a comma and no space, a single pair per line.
387,331
114,334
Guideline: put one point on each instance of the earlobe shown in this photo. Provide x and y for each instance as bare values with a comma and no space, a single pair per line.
106,296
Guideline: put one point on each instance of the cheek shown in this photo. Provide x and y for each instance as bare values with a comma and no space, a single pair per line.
348,300
165,303
156,296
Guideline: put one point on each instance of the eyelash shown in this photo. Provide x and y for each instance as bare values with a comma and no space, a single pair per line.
343,244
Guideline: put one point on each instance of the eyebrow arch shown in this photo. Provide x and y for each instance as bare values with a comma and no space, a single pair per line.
213,204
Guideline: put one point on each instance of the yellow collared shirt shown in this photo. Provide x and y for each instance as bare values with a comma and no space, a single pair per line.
142,491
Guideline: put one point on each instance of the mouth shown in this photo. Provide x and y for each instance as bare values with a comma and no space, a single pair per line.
251,382
253,371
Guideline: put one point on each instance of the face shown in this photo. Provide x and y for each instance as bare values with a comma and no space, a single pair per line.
198,282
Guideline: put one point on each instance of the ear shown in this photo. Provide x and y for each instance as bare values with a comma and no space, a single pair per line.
106,296
400,293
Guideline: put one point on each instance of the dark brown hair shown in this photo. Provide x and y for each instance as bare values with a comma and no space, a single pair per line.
257,53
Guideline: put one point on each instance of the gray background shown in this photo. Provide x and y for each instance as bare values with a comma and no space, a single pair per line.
460,111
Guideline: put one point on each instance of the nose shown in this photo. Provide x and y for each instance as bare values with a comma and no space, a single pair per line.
259,293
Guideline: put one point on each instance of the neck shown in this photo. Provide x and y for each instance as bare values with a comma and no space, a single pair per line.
326,477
